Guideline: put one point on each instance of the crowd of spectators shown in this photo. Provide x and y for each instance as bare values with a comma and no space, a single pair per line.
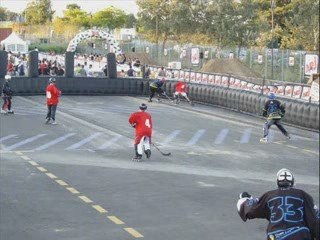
17,64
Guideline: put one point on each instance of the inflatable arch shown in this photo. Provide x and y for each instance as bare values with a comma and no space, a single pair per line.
92,33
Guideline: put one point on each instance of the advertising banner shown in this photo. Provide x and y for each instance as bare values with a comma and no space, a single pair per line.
195,56
311,64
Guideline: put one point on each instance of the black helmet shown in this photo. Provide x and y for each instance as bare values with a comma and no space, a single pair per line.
52,80
143,107
285,178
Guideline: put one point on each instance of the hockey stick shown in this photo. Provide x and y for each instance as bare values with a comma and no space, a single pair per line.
164,154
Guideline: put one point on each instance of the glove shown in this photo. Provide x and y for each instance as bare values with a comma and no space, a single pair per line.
244,195
133,125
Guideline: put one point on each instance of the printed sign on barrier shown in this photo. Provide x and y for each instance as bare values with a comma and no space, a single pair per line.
297,91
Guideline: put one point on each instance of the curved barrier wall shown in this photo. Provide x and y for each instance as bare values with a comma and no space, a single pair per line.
298,113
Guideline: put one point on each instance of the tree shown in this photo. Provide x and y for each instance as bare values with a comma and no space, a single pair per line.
3,14
131,21
109,17
6,15
38,12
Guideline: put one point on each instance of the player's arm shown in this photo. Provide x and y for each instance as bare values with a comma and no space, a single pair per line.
132,120
250,208
265,111
312,216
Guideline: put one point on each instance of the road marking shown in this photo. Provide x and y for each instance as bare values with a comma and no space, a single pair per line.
50,175
28,140
19,153
99,209
222,135
33,163
84,141
115,220
171,136
280,143
85,199
62,183
196,137
7,137
246,136
25,158
110,142
290,146
42,169
72,190
271,136
307,150
51,143
134,232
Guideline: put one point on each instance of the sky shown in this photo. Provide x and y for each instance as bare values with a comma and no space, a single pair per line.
128,6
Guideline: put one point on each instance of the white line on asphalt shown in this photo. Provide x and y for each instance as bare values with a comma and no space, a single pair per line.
51,143
222,135
7,137
110,142
196,137
271,136
28,140
246,136
84,141
171,136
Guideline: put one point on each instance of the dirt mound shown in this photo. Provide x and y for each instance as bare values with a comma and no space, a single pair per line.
230,66
143,57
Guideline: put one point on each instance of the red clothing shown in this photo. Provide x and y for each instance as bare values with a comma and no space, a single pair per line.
53,94
181,87
143,125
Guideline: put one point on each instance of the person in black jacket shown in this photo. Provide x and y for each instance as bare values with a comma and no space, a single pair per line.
156,87
291,212
274,111
7,96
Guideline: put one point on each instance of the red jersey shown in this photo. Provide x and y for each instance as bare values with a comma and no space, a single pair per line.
53,94
181,87
142,122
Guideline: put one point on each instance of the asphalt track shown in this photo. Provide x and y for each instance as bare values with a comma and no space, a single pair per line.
76,180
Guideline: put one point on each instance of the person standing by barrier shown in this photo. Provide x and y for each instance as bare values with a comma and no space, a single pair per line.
291,212
274,111
53,94
181,90
7,96
142,123
156,87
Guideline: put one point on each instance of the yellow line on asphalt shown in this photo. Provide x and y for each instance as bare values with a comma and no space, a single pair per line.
19,153
72,190
115,220
50,175
42,169
85,199
62,183
25,158
134,232
99,209
33,163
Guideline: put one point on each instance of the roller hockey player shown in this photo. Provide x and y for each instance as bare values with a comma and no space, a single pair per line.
7,96
157,87
291,212
274,111
181,90
142,123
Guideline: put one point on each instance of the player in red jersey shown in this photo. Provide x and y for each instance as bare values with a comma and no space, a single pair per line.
142,122
181,90
53,94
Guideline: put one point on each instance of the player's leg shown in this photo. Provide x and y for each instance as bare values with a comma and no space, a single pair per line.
4,105
266,127
147,147
152,92
53,114
138,144
281,128
48,114
9,105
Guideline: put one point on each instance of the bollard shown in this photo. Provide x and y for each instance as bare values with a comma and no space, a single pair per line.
33,64
112,65
69,64
3,63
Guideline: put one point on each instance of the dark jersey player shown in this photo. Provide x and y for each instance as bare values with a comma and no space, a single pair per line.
291,212
273,111
156,87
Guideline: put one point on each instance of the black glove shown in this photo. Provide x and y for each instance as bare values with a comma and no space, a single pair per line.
133,125
244,195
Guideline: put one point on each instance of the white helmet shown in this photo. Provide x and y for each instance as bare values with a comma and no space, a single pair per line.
285,178
7,77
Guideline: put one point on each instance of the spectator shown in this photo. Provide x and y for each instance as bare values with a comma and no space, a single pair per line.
60,71
130,72
90,72
105,70
83,72
77,69
10,68
162,72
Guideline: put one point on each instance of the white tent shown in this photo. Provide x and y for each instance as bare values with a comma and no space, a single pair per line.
14,44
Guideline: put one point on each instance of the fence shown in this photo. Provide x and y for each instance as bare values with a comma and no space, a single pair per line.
288,65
